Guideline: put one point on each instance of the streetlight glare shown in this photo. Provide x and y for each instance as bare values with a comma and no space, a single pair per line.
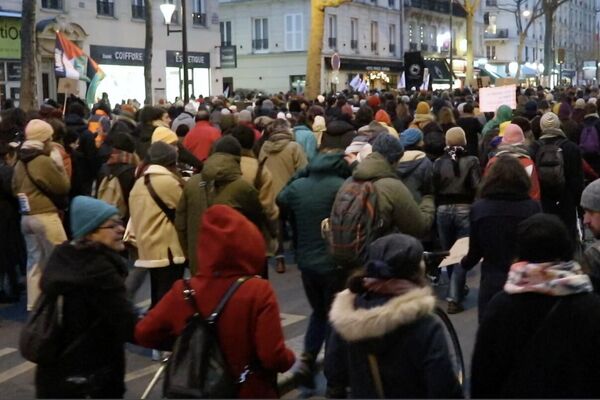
167,11
526,13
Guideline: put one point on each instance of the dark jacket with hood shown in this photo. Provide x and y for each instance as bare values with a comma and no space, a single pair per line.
310,198
86,162
408,342
416,172
249,328
395,204
456,182
339,134
472,128
97,316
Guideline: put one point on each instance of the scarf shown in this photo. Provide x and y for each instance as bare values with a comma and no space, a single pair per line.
392,287
455,152
33,145
122,157
562,279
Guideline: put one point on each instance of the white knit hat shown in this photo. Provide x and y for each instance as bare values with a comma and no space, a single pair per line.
549,121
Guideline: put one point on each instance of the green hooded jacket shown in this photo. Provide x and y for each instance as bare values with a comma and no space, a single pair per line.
503,114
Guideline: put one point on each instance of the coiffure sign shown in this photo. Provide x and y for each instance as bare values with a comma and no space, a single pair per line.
117,55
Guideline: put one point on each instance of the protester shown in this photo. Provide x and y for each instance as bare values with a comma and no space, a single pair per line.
590,202
202,136
249,329
414,168
472,127
304,136
97,319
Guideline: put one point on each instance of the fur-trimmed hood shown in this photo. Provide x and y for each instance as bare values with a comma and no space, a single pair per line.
355,324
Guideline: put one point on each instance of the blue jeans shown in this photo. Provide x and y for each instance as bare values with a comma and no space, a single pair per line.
453,224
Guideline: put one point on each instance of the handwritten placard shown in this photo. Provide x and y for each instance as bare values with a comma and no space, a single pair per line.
492,98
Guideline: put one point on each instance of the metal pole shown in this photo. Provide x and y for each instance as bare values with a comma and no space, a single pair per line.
186,89
402,29
451,46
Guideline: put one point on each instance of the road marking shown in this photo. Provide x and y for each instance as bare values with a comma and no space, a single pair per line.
142,372
16,371
289,319
7,350
143,304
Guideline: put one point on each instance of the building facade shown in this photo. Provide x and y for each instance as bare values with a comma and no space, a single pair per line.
113,34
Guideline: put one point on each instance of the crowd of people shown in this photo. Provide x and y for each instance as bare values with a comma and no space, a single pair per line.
92,201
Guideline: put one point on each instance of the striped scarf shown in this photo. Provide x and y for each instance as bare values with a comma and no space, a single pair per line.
551,279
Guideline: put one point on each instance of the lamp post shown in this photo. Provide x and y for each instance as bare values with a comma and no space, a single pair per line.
167,11
451,46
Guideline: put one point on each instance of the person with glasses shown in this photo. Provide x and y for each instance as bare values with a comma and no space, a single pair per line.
98,319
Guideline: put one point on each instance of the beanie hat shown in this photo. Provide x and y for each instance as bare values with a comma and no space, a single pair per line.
389,147
245,116
423,108
549,121
87,214
229,145
38,130
590,198
549,98
531,107
347,110
555,108
456,137
580,103
321,98
123,141
373,101
405,99
267,105
162,134
383,116
394,256
513,134
161,153
190,108
411,136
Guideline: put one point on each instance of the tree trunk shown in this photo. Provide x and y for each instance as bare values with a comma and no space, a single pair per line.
315,47
148,51
548,41
470,51
28,99
522,37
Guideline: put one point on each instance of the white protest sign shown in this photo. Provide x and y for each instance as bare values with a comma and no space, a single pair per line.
492,98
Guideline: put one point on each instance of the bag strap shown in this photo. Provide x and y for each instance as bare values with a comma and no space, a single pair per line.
169,212
374,368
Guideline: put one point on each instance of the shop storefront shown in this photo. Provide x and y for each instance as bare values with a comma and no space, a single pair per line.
379,73
10,56
198,74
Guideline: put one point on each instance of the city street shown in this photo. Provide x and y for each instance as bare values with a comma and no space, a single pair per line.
17,375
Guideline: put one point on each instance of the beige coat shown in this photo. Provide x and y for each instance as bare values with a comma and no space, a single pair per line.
155,235
284,158
266,194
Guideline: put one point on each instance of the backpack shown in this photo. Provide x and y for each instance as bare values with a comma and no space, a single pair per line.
353,223
110,191
197,368
550,164
588,141
40,339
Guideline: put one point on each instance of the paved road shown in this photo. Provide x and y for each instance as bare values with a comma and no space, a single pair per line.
16,374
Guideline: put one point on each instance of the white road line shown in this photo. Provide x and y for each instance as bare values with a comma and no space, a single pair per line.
142,372
16,371
289,319
7,350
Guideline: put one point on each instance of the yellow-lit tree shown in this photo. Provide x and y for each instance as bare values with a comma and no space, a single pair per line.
471,7
315,45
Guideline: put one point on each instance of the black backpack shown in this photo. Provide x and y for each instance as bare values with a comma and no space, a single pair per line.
197,369
40,340
550,163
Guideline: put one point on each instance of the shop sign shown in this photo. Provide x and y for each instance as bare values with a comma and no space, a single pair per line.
111,55
228,57
195,60
377,68
10,38
14,71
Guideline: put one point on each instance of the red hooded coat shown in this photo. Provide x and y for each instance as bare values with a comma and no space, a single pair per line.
249,328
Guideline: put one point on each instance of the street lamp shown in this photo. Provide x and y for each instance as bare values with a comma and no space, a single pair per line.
167,11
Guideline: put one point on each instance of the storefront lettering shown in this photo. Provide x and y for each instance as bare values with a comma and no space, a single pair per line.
10,38
9,32
129,56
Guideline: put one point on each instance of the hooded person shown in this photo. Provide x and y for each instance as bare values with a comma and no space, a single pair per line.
547,303
384,119
387,313
503,113
304,136
571,128
319,127
249,330
89,274
423,119
339,133
185,118
414,168
590,203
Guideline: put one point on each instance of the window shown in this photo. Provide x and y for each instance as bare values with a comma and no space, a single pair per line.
52,4
137,9
332,29
293,32
260,39
392,3
105,7
393,39
354,33
526,54
374,36
199,14
490,52
225,33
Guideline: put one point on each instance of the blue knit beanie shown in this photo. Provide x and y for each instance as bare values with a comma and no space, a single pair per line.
87,214
389,147
411,136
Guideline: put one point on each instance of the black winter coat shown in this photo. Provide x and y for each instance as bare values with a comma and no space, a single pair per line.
86,162
516,357
450,188
408,342
339,135
97,314
472,128
493,226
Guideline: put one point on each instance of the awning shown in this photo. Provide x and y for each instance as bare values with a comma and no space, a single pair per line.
525,70
439,71
491,74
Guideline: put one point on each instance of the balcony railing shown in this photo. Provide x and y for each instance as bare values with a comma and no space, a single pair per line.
354,44
199,19
52,4
439,6
138,12
104,7
332,42
412,46
500,34
491,3
392,48
260,44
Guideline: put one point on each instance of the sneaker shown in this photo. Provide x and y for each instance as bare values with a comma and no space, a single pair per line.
454,307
